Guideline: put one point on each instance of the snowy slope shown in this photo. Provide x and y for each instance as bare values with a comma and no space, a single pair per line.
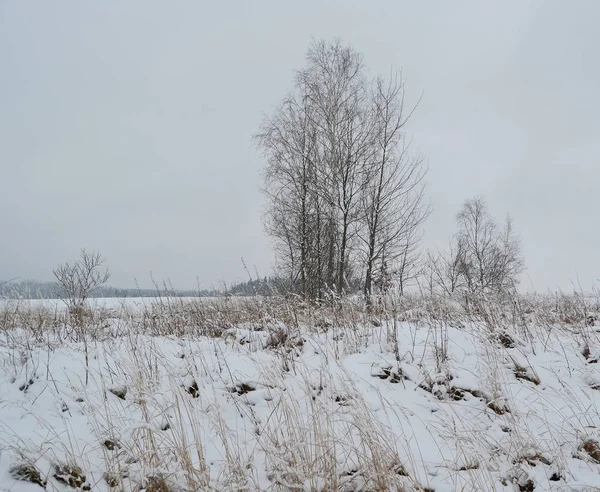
401,406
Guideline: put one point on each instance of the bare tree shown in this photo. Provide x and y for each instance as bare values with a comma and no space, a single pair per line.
316,146
490,257
410,262
483,257
288,140
336,85
78,281
342,194
444,269
393,193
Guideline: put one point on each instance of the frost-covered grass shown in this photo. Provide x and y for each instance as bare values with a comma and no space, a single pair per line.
272,394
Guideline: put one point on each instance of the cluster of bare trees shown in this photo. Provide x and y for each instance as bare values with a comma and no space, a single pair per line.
345,197
483,257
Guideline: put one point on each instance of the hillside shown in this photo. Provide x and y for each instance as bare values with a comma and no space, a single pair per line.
274,395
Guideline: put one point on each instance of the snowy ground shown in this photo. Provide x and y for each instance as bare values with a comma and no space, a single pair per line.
114,303
434,403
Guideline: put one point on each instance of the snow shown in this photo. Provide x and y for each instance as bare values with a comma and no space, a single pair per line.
344,406
117,303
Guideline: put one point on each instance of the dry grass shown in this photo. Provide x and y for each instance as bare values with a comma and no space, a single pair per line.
344,445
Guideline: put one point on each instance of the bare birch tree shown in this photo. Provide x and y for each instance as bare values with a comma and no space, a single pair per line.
490,257
337,87
343,197
289,142
315,145
444,269
393,193
483,258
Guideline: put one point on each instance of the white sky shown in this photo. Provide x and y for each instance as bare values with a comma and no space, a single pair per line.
125,126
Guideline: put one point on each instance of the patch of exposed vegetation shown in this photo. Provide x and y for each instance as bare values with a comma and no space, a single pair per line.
119,391
71,475
192,388
242,388
28,472
591,447
526,374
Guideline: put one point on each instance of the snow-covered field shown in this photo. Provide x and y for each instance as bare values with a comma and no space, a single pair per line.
114,303
281,398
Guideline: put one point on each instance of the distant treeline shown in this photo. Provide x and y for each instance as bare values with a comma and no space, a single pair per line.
32,289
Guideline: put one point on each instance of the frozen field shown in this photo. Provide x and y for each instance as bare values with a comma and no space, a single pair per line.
307,400
112,302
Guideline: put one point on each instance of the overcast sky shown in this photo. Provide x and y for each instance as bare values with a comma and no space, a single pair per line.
126,126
